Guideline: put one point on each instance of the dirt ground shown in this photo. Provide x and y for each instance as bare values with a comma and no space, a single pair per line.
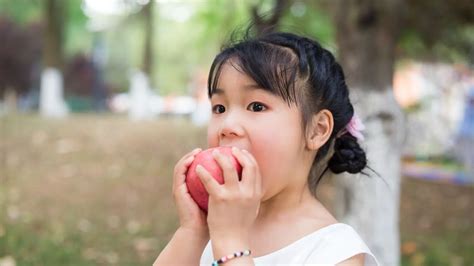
94,190
437,222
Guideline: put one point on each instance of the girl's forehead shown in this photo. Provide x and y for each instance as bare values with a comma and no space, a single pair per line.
232,78
246,75
232,70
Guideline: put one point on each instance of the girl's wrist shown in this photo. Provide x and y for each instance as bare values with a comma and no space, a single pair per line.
228,233
223,245
198,233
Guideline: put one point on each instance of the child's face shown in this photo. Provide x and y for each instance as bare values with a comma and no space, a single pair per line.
260,122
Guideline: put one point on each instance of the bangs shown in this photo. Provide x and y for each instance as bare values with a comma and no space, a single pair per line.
274,68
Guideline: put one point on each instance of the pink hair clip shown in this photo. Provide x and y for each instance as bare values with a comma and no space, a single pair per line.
354,127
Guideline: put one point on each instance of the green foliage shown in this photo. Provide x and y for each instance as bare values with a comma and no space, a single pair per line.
456,45
218,19
183,47
180,47
192,45
21,11
440,30
310,20
77,37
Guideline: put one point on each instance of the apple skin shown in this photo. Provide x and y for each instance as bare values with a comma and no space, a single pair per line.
204,158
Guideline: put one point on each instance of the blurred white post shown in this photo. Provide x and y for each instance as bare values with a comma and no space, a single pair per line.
139,96
202,113
52,103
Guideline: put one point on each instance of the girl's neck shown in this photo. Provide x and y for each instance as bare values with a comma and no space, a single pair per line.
290,204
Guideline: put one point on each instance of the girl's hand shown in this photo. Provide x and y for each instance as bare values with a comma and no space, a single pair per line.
191,217
233,206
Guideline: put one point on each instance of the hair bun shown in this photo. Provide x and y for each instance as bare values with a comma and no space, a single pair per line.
348,156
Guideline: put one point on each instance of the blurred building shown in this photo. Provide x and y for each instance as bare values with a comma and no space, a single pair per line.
433,97
438,100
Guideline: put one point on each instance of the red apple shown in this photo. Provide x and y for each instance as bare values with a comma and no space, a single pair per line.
204,158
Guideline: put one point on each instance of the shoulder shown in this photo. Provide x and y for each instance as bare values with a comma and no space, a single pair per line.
340,243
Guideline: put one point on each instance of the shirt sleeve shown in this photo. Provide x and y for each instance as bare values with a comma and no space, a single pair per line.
339,246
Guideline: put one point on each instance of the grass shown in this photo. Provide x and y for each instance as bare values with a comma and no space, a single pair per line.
93,190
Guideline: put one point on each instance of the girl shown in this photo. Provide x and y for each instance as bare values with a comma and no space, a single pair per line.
281,102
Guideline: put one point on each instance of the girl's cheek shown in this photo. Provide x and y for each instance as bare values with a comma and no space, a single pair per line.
212,140
212,135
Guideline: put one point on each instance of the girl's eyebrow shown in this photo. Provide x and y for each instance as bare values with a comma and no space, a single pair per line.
220,91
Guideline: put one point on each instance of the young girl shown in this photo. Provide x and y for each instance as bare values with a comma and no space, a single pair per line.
281,101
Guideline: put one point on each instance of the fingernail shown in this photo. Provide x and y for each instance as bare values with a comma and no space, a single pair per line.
199,167
215,152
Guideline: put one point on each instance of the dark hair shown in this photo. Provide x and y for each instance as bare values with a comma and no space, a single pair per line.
300,71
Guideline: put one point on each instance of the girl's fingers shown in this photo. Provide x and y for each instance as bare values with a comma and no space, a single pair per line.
210,184
250,156
257,181
248,167
231,177
182,166
182,169
185,197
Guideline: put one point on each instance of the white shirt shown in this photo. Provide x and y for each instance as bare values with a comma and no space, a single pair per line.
327,246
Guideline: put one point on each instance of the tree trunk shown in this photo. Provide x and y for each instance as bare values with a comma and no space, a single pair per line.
52,103
366,37
148,49
54,11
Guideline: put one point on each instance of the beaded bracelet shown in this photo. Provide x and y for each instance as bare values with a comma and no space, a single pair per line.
231,256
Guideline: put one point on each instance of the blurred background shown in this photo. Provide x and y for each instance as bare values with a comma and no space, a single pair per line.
100,98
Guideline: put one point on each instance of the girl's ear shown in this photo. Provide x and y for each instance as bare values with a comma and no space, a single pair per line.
319,130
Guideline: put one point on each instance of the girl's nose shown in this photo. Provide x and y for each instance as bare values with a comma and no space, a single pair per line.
231,127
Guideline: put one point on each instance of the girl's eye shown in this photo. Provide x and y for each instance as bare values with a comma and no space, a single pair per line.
257,107
218,109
